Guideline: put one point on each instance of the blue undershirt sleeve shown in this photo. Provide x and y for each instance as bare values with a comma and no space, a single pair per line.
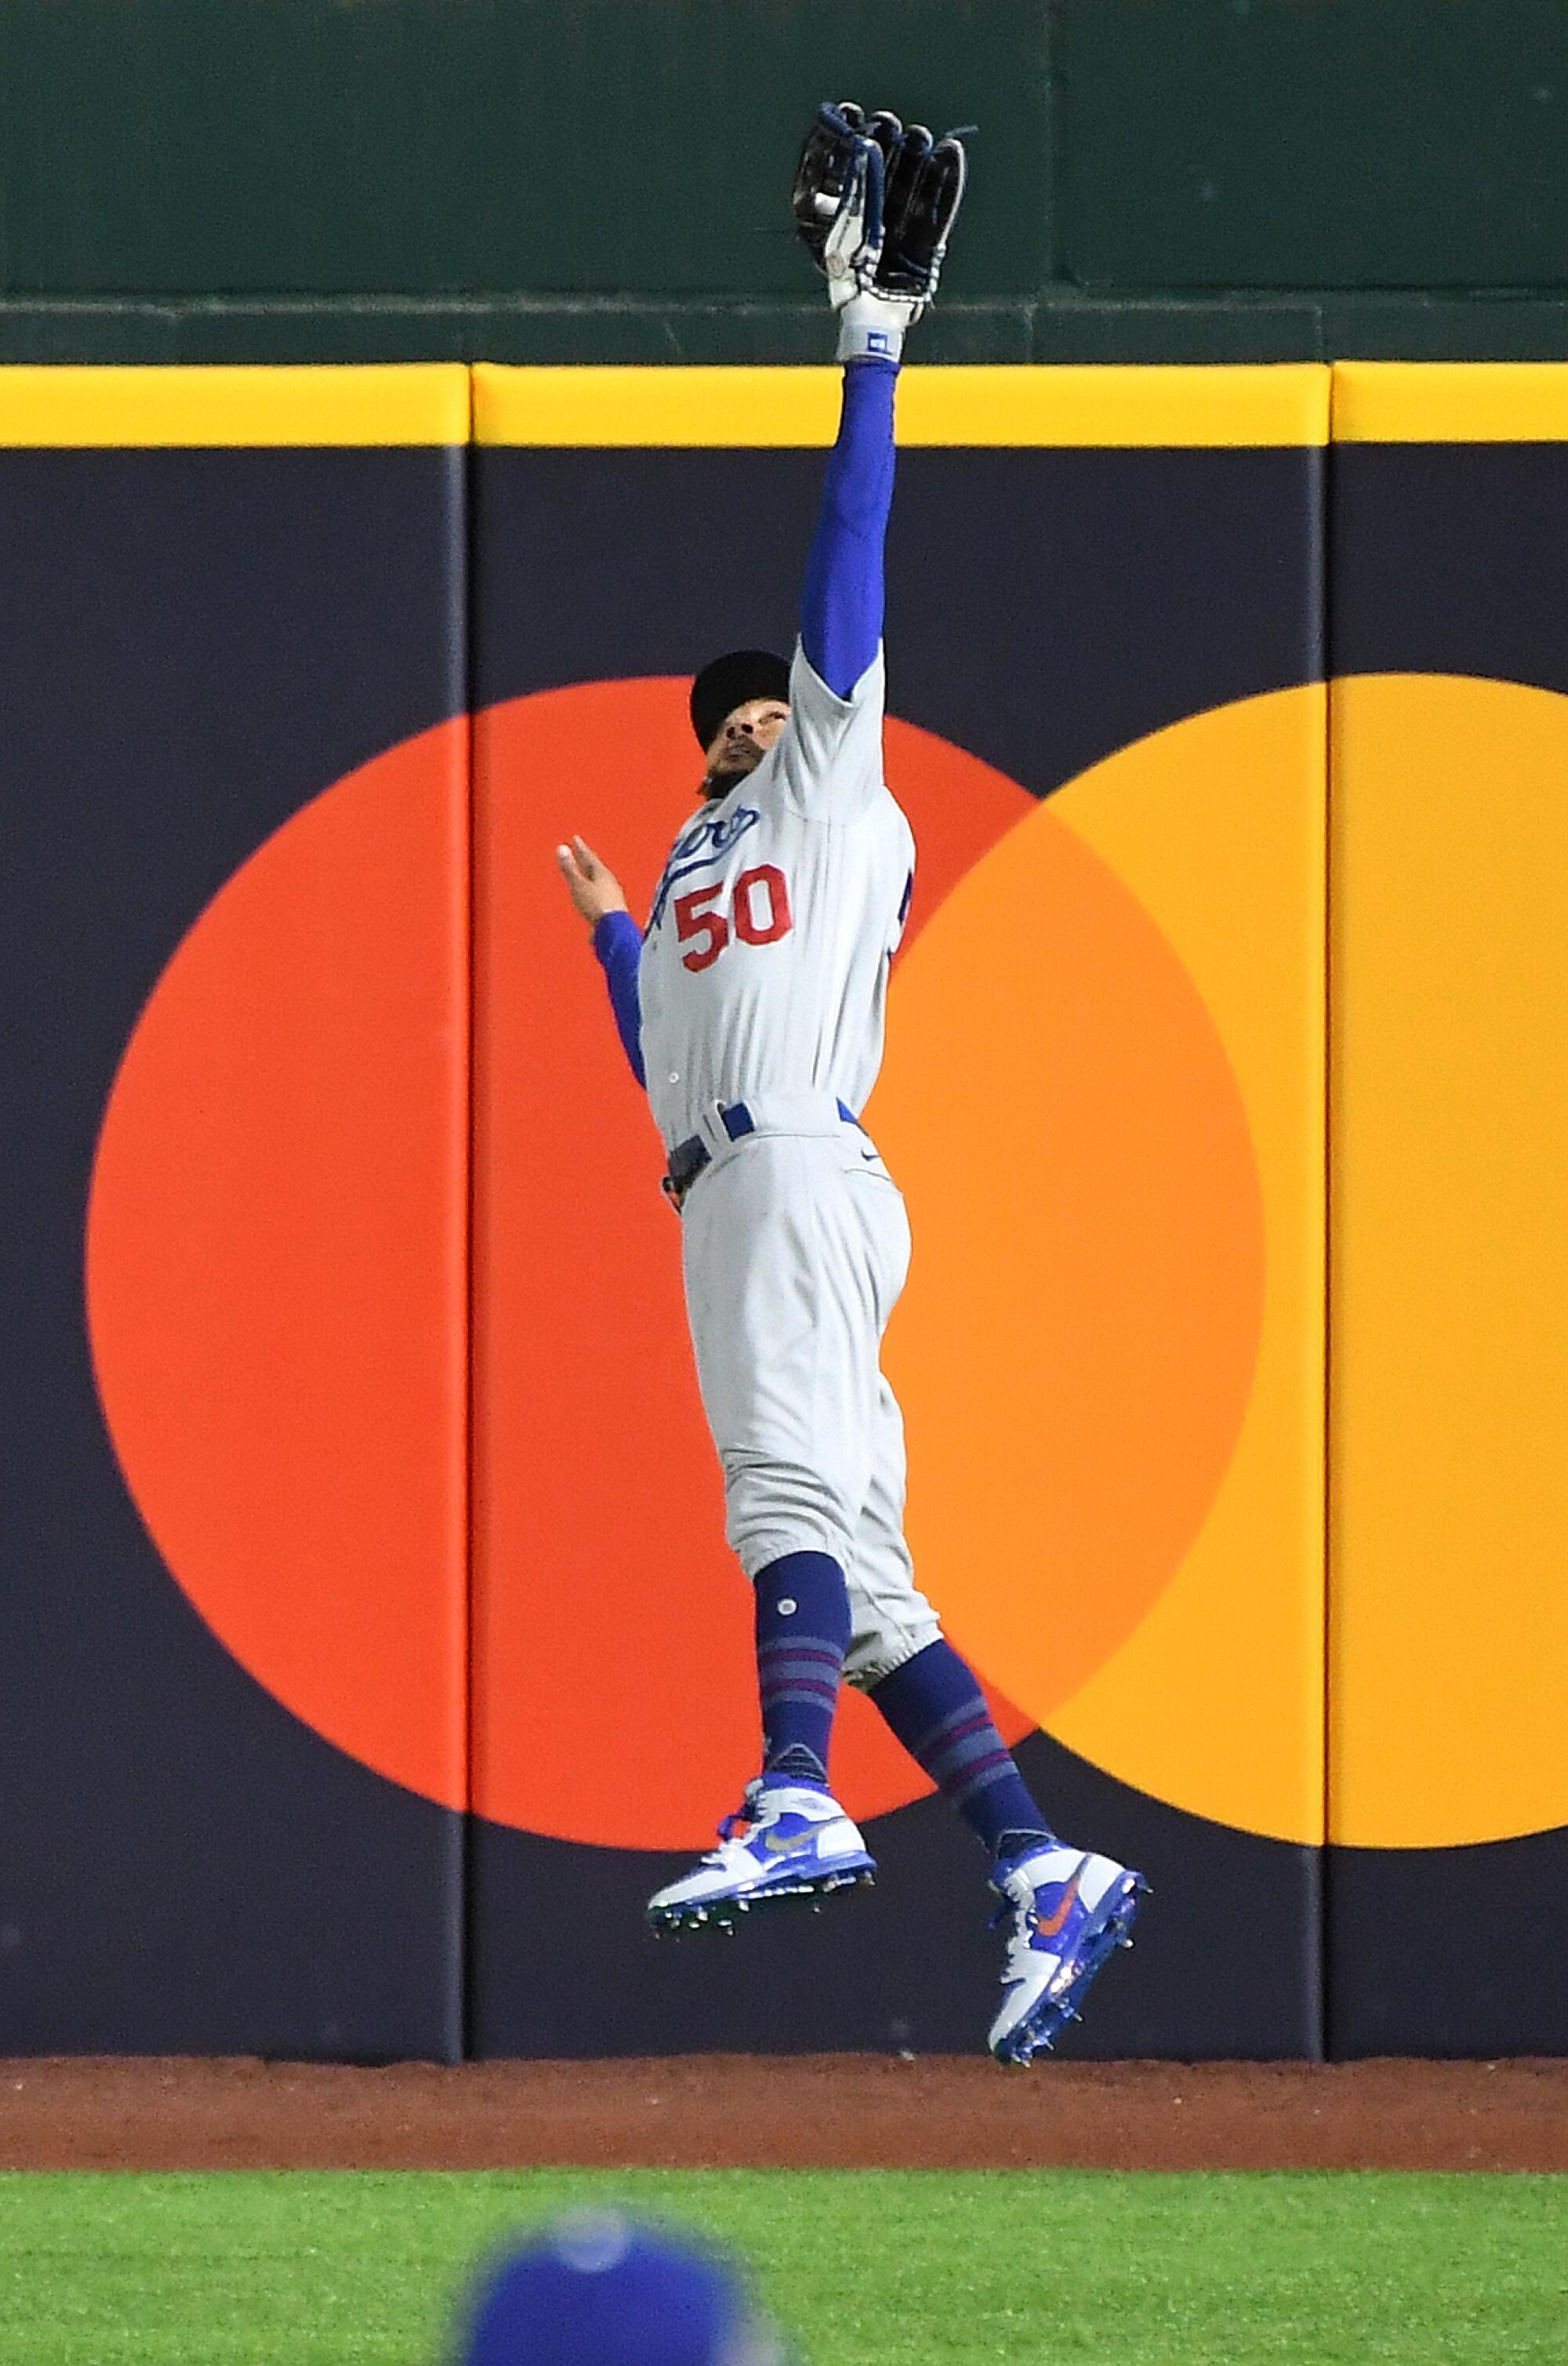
842,602
617,940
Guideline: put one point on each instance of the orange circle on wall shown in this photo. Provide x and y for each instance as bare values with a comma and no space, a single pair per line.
278,1269
276,1277
1077,1352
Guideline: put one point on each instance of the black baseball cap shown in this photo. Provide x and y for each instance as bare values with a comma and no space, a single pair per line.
729,681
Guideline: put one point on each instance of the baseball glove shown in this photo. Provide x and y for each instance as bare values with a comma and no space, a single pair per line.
874,204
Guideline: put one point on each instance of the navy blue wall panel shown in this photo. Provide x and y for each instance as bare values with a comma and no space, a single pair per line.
194,645
1449,570
1046,606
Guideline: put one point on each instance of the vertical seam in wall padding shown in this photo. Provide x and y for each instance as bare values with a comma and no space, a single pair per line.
465,1960
1324,1881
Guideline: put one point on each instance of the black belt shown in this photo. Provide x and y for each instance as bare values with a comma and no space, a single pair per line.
688,1158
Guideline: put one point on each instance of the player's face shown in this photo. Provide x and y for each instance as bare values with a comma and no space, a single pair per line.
741,743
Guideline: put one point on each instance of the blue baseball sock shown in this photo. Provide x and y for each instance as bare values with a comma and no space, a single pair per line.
803,1632
939,1713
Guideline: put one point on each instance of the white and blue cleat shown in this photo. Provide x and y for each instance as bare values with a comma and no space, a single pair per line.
1069,1913
788,1843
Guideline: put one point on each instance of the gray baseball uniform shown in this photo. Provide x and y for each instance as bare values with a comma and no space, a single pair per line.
762,984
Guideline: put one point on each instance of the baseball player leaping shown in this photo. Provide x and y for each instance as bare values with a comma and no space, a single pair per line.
751,1007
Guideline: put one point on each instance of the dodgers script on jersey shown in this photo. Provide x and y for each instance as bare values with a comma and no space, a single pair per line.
764,963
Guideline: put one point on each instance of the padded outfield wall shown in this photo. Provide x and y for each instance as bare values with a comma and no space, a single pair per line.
370,1648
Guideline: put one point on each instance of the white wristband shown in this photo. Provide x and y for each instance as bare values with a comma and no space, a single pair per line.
869,331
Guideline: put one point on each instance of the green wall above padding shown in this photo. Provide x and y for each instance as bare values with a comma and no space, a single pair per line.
583,181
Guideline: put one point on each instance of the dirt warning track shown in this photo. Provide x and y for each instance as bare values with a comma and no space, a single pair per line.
816,2110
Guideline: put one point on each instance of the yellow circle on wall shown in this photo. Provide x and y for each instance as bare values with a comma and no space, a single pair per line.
1197,1664
1103,1097
1448,1232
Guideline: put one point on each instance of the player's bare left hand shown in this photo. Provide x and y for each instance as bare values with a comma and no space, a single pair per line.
594,887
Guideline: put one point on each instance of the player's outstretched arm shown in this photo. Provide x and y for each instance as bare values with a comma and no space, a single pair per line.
597,898
843,599
873,203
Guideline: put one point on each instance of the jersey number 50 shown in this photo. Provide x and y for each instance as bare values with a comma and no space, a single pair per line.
759,914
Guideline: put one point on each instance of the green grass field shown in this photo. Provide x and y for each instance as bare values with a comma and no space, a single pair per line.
874,2268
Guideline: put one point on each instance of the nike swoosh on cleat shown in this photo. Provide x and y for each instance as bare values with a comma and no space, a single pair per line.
1049,1926
776,1843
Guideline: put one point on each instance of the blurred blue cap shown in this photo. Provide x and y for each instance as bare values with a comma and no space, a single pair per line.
593,2289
